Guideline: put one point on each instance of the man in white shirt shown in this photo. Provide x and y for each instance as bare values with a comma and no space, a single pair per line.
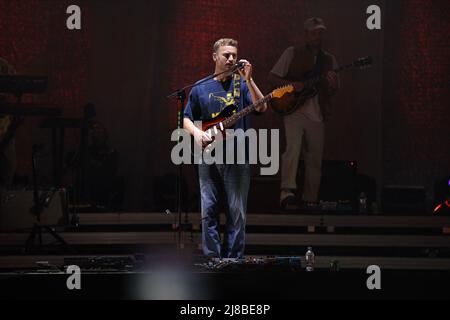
306,123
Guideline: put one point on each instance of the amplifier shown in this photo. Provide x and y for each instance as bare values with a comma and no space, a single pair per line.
338,181
404,200
16,209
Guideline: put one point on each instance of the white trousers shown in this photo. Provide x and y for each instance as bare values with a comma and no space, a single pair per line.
298,130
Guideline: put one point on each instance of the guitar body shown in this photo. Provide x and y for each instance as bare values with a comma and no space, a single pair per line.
213,127
225,113
290,102
210,123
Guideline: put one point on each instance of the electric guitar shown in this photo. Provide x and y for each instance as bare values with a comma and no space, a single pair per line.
292,101
227,118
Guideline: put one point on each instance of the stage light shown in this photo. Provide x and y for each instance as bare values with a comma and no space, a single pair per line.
442,208
442,196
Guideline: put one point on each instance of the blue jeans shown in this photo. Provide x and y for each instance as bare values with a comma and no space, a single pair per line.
229,185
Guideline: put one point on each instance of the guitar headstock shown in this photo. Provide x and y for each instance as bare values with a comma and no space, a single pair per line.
363,62
278,93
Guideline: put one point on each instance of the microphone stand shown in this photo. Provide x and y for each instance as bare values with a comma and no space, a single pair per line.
37,209
180,94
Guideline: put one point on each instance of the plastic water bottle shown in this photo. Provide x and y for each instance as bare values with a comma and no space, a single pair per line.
362,202
309,258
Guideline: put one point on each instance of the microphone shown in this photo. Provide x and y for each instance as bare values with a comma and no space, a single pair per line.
239,65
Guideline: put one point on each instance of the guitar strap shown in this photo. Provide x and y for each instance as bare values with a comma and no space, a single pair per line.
237,89
318,67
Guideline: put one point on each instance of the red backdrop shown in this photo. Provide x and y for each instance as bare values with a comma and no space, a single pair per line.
393,119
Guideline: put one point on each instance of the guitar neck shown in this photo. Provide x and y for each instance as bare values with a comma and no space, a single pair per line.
231,121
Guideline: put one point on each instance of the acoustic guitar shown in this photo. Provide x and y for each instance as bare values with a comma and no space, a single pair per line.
292,101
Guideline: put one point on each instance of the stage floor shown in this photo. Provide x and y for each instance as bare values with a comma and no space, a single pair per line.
263,285
146,256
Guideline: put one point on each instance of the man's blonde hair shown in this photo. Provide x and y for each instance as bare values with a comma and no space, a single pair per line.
225,42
